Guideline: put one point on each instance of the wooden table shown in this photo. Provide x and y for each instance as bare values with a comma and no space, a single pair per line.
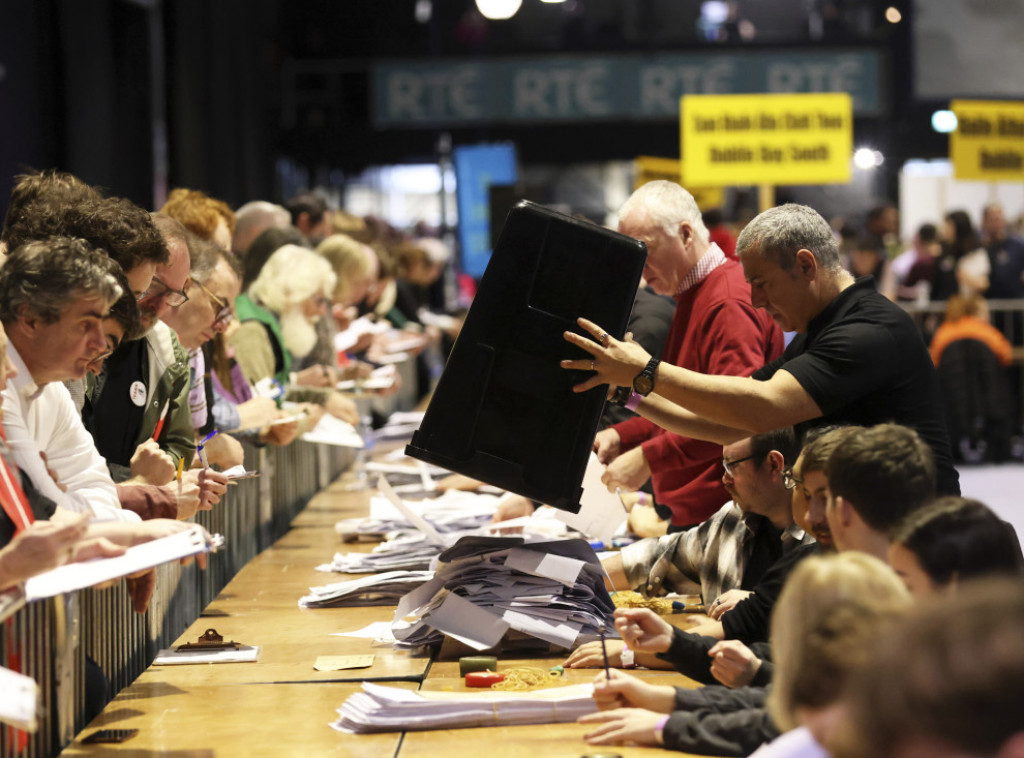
280,705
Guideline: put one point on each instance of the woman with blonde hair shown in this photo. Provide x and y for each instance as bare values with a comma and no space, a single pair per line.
278,316
830,613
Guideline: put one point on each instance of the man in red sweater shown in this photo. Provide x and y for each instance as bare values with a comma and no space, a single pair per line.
715,330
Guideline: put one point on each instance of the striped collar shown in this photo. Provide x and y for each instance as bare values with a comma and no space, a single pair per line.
713,258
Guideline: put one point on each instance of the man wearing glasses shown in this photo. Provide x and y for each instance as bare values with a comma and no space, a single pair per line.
208,312
137,408
732,549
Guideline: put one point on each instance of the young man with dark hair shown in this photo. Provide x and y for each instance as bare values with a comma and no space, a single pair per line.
876,476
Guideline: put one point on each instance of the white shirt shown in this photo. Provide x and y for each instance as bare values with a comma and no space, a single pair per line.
44,418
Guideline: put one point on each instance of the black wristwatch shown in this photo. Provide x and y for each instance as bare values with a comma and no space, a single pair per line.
643,383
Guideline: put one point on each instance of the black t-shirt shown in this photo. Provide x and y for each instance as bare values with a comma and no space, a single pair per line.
115,417
864,362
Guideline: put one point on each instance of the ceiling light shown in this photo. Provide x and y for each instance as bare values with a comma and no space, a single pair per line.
497,10
944,122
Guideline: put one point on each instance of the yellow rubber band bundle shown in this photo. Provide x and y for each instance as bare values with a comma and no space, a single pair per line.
630,599
524,678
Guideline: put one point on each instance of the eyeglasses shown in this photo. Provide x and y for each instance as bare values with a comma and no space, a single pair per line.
112,345
224,314
729,464
158,289
789,479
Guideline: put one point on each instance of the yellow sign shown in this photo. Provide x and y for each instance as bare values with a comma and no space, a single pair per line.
766,139
988,143
649,168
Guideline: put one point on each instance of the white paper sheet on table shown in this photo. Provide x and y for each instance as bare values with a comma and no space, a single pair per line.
378,630
172,657
19,699
333,431
601,512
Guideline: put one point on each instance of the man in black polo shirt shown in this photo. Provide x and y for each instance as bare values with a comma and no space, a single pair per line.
857,358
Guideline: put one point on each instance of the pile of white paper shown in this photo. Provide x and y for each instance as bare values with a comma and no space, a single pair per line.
410,552
380,589
389,709
485,586
451,512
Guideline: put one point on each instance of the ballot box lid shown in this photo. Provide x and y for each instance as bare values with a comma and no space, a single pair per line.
504,411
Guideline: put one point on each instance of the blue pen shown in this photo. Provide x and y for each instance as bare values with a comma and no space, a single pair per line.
201,447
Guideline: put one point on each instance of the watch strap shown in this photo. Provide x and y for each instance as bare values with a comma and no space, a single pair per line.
635,398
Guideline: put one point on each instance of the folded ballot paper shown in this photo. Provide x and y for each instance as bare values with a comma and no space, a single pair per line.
379,589
389,709
485,587
76,576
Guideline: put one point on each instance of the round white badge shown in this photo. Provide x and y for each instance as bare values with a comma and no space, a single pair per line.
137,392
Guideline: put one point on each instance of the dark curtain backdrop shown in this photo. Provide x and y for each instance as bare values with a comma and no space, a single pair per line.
76,93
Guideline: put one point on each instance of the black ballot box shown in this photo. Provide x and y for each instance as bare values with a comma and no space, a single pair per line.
504,411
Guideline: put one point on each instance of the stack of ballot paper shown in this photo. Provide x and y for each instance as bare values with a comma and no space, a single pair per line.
411,552
380,589
483,587
414,477
389,709
452,511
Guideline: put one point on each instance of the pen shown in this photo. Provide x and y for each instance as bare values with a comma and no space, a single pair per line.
160,421
201,447
604,652
181,467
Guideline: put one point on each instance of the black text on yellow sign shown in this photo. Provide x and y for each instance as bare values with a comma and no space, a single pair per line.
988,143
766,139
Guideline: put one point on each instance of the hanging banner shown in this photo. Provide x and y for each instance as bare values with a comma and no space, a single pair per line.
766,139
988,144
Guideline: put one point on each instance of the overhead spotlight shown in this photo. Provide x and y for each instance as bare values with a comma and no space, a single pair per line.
944,122
865,158
424,9
553,2
893,15
498,10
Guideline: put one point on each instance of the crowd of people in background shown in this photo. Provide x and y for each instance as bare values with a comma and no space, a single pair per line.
139,349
